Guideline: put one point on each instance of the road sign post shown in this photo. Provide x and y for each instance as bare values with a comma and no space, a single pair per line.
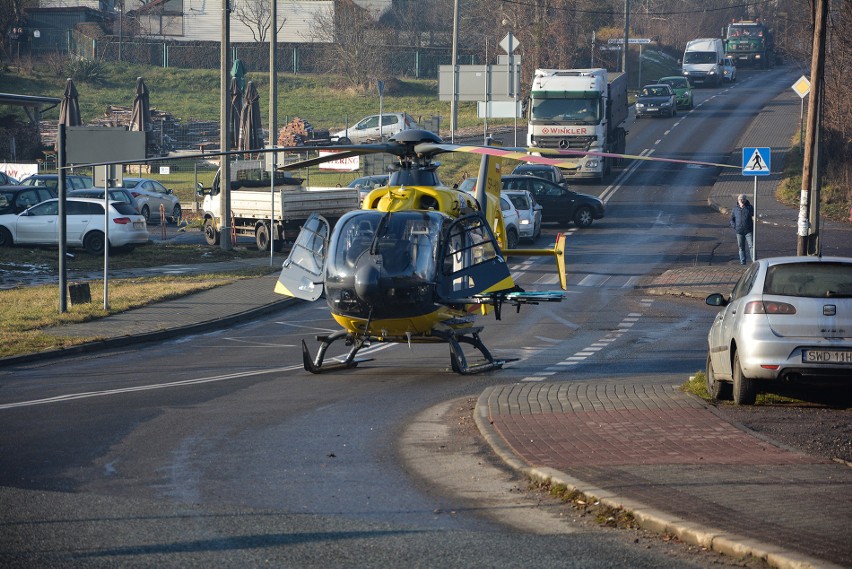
756,162
802,87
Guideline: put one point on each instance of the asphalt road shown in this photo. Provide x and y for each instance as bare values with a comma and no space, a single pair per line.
220,450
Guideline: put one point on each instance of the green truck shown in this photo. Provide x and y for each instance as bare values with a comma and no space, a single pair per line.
750,44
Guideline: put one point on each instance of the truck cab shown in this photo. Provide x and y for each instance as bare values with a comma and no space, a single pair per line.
579,109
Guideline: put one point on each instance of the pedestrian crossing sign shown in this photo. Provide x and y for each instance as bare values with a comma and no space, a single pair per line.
756,161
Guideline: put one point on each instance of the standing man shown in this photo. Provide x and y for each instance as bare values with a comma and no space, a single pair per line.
742,222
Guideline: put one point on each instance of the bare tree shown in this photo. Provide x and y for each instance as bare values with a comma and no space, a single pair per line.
255,15
358,48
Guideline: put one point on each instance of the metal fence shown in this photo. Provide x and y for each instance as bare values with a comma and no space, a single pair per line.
292,58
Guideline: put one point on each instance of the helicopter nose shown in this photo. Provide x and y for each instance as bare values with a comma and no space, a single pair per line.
367,282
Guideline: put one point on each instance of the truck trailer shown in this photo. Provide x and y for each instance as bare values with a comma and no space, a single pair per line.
579,109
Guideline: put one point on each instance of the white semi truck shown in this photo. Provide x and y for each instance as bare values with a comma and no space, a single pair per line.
251,205
579,109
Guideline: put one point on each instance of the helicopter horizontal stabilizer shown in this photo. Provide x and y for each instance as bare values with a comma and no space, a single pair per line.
558,251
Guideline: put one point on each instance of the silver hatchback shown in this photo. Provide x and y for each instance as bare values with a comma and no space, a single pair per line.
150,195
788,319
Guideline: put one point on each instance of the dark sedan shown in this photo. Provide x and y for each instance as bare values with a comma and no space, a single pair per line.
558,203
656,101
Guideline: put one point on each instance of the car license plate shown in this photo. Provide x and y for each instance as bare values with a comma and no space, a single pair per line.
827,356
138,225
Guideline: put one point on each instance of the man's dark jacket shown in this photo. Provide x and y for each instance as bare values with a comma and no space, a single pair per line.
742,218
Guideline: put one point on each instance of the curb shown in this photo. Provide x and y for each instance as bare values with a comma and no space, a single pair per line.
646,517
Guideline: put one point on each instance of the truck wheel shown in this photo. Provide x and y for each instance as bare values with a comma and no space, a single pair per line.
261,237
210,233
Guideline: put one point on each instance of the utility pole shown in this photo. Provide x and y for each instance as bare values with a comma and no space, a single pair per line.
626,36
808,225
454,102
224,140
273,119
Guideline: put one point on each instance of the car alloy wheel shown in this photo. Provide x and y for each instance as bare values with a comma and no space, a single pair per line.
583,217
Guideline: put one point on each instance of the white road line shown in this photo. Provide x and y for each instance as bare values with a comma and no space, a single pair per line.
184,383
594,280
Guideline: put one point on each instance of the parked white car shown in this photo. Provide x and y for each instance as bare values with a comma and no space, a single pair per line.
529,213
39,225
511,221
367,129
149,195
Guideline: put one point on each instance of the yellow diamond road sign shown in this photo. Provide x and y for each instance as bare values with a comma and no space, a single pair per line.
802,87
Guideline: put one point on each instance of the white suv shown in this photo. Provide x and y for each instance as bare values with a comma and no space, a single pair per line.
367,129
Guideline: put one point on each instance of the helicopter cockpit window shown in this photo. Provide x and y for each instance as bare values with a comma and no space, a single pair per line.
357,233
407,243
404,242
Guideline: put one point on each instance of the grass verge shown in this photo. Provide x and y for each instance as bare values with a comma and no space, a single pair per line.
697,385
28,311
834,203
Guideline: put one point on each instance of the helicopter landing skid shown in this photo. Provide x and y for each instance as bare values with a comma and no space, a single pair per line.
316,366
458,361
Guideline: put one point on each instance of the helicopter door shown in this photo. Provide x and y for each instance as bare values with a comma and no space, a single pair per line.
471,261
302,272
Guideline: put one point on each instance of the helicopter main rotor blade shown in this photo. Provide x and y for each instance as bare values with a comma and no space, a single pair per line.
522,154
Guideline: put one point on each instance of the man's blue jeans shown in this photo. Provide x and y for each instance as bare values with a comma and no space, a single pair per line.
744,241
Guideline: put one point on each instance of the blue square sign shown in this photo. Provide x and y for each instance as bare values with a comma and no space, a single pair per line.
756,161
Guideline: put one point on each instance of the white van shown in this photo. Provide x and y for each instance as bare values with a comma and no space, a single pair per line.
703,61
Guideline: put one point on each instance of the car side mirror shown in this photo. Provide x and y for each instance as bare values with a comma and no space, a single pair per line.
716,299
200,189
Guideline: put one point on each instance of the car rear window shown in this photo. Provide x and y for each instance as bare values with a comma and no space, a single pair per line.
813,280
125,208
520,201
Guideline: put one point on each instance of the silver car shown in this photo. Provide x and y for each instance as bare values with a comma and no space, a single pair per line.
368,129
788,319
149,195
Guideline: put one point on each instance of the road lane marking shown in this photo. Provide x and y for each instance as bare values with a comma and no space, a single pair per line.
152,387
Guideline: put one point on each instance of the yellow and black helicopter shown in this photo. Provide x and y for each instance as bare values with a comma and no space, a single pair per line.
418,262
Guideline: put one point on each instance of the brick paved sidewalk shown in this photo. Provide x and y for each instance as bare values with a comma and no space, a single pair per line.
666,457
